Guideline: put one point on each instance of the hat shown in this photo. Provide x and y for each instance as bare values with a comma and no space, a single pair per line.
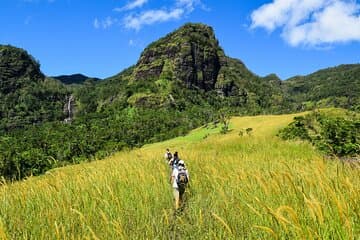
181,163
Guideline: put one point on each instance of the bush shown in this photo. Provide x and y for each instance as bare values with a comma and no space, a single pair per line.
333,134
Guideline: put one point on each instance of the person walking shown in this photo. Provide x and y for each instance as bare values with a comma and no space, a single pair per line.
173,162
168,156
179,180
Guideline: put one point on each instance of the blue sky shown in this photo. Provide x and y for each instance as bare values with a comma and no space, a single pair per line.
100,38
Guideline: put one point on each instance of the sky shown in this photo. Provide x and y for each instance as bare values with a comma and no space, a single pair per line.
100,38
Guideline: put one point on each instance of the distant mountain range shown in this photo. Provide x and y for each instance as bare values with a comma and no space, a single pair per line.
74,78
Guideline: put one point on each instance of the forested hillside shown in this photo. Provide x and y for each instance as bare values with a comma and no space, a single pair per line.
26,96
338,86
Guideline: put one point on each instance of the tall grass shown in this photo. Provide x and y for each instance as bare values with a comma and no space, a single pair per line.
242,187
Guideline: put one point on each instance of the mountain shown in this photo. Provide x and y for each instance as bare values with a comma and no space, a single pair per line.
180,82
74,78
190,54
26,96
337,86
190,61
186,67
17,69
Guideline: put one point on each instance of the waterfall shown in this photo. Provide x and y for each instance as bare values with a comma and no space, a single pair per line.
68,109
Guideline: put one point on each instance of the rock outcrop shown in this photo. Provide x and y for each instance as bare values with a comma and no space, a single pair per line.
190,54
193,56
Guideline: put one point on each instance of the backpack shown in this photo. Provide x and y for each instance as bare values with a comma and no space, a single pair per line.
182,179
175,161
169,155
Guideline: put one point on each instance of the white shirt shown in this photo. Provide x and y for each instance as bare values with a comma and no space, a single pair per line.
174,176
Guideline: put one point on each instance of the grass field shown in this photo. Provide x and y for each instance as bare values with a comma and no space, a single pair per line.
242,187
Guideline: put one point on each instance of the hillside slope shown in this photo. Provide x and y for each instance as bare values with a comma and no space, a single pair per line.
337,86
253,186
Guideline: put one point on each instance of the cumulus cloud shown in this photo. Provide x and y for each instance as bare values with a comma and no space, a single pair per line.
309,22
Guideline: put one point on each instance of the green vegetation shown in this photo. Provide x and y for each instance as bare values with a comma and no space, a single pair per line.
107,116
246,183
191,58
26,97
180,82
242,187
334,132
36,149
332,87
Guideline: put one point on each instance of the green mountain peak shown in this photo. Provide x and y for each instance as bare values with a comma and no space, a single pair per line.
191,54
17,69
26,96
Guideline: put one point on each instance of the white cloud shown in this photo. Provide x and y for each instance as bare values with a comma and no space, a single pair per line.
152,16
105,23
187,4
135,19
310,22
131,5
149,17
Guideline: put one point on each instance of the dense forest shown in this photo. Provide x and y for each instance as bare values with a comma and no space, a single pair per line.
180,82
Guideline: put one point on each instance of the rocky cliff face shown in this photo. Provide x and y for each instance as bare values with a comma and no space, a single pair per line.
191,55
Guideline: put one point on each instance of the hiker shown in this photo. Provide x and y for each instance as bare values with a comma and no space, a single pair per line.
179,179
168,156
174,161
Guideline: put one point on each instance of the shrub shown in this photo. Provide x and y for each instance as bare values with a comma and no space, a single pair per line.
333,134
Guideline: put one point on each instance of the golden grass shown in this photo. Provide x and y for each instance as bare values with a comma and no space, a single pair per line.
242,187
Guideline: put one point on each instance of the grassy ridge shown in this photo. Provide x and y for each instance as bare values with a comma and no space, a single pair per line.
242,187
